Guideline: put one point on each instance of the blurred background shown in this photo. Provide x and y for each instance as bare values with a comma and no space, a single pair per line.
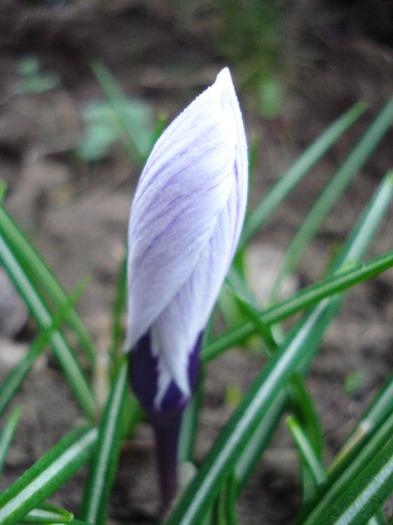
70,174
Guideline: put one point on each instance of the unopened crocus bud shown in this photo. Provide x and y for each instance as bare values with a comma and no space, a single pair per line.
185,223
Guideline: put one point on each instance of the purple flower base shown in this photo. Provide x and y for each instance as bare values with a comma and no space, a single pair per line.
166,419
144,379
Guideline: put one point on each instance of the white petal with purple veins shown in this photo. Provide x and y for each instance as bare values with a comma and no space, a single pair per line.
185,223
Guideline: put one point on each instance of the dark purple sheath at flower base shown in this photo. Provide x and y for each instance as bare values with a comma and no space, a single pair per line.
185,223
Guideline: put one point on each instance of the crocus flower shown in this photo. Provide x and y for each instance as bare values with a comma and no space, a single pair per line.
185,223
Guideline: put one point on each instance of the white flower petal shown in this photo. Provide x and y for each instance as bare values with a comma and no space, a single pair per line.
183,188
185,224
182,321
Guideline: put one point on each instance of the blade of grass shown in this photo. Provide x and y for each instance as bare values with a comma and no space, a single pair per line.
297,171
307,297
222,457
105,460
341,474
42,315
118,311
298,348
47,513
3,190
363,496
189,423
378,519
224,509
305,412
306,451
376,414
298,398
352,250
14,378
333,190
35,267
8,432
118,103
50,472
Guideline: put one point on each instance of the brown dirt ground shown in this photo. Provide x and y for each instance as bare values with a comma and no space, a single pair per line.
76,214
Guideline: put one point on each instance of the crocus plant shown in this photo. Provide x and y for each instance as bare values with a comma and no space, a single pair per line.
185,223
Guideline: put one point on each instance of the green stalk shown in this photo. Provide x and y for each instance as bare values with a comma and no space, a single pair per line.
306,298
103,468
8,432
297,171
34,266
333,191
49,473
43,317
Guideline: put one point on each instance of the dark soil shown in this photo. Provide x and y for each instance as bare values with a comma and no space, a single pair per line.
76,214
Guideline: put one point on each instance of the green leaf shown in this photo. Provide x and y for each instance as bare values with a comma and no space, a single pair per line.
104,464
117,337
297,171
189,423
14,378
223,455
43,317
362,497
307,297
333,191
49,473
224,509
38,272
120,109
306,450
46,513
7,433
297,350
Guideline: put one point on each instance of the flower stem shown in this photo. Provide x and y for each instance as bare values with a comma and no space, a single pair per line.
166,430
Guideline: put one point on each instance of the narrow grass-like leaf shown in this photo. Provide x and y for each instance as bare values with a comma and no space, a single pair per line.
313,294
299,400
7,433
50,472
297,349
47,513
14,378
305,411
297,171
189,423
103,467
260,440
222,457
341,474
35,267
307,297
118,313
118,103
306,451
357,457
224,509
333,191
43,317
362,497
378,519
3,191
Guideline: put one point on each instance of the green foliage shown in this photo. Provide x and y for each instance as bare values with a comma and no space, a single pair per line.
32,79
350,490
102,129
118,117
